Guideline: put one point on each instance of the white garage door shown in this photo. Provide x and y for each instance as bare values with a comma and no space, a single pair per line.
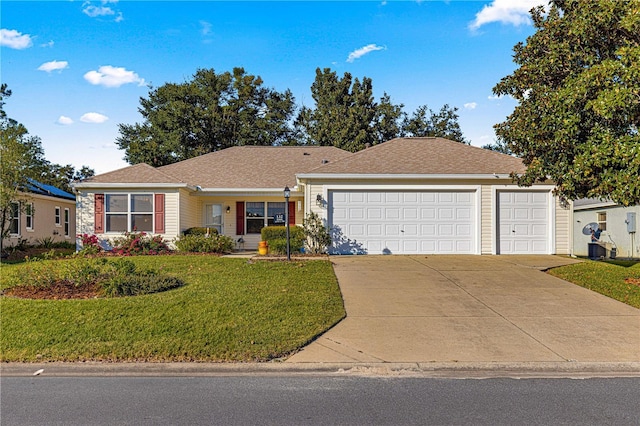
523,222
393,222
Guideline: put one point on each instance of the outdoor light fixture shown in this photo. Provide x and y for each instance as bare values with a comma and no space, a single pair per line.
228,209
319,200
287,194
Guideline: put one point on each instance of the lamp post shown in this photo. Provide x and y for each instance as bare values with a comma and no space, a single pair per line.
287,194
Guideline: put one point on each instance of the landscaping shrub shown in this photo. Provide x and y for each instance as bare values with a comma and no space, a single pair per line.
198,230
133,243
118,277
276,236
318,236
90,245
195,243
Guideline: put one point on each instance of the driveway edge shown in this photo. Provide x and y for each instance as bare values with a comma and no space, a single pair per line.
435,370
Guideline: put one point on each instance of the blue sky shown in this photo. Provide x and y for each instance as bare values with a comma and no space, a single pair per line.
77,69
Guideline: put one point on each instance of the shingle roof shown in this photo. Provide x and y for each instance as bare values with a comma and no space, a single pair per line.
139,173
253,166
424,156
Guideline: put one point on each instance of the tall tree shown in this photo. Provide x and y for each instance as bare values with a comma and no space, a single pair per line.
22,158
344,114
578,88
424,122
205,114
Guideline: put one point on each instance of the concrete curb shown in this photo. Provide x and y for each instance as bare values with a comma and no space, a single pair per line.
426,370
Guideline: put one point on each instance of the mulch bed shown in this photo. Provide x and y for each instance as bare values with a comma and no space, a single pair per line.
59,291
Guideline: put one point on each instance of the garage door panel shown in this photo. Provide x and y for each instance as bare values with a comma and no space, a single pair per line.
523,222
403,222
392,213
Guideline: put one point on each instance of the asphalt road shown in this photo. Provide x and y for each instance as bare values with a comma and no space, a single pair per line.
317,401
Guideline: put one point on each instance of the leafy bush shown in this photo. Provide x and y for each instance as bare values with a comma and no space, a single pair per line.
139,243
198,230
194,243
276,236
45,242
90,245
318,236
119,277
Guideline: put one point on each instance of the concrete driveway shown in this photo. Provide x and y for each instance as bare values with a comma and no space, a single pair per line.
504,309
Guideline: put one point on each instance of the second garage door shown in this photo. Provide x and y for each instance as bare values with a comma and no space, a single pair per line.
395,222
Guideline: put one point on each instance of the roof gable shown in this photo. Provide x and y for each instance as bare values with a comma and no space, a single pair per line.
424,156
138,173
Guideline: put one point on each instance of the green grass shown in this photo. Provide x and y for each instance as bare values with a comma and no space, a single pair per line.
229,310
606,278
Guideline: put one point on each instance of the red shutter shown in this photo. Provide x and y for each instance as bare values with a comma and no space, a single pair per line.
292,212
98,208
239,217
159,213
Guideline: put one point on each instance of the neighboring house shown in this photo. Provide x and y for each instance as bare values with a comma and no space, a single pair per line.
405,196
619,226
48,212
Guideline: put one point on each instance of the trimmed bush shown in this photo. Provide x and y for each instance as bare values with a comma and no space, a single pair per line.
276,236
198,230
194,243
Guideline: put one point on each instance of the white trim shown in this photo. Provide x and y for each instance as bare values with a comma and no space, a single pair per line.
477,189
245,192
365,176
67,222
29,213
133,186
551,238
57,218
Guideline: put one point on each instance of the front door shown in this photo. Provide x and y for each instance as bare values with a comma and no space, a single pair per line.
213,217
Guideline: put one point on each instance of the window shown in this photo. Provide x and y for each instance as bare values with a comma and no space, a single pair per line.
129,212
602,221
28,214
66,222
213,216
256,218
57,214
14,226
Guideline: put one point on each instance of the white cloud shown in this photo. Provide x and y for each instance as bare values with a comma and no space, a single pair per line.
514,12
494,97
103,10
358,53
109,76
49,44
94,11
53,66
93,117
14,39
64,120
470,105
205,28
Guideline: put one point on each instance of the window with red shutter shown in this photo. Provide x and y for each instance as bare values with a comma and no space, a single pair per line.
239,217
159,213
98,224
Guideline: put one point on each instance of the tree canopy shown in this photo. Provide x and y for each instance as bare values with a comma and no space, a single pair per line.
208,113
578,88
22,158
347,116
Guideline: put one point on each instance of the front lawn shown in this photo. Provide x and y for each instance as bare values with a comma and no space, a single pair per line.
619,280
228,310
